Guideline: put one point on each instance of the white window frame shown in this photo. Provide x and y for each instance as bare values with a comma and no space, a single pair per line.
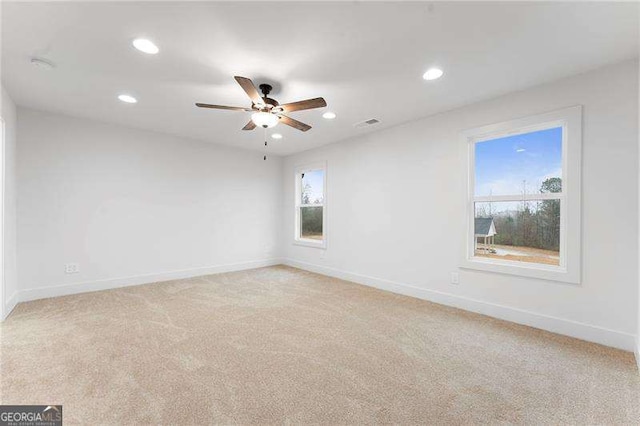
570,119
320,165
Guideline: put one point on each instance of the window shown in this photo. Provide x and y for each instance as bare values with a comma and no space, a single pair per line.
524,196
311,212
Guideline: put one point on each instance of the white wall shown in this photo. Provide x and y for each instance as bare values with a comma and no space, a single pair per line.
637,349
396,211
134,206
8,113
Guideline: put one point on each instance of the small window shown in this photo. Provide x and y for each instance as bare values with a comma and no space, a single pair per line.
524,209
310,206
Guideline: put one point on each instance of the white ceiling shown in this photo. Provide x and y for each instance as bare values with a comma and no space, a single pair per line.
365,59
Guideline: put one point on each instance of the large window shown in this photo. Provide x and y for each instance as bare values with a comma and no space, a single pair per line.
310,194
524,189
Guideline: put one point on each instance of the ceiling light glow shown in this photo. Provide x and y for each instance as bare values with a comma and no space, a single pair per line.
128,99
329,115
146,46
276,136
264,119
433,74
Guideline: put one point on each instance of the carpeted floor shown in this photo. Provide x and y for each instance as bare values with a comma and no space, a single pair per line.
280,345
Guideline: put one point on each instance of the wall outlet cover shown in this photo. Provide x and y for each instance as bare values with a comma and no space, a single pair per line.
71,268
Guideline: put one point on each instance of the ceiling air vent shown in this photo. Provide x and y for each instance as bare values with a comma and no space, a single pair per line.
366,123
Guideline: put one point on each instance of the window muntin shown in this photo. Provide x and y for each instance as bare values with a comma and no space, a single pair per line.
310,206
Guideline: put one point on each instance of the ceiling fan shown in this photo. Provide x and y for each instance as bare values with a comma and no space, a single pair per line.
267,112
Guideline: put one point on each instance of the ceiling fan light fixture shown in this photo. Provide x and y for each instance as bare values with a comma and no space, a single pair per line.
264,119
268,112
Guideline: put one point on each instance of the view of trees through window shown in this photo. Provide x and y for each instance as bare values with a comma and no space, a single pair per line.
517,197
311,223
311,204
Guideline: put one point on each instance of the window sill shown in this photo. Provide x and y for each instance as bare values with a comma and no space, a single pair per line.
311,243
521,269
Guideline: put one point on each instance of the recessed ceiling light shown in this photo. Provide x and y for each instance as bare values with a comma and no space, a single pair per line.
276,136
329,115
146,46
432,74
42,63
128,99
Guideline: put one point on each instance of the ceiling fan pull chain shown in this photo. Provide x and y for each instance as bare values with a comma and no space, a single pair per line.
265,142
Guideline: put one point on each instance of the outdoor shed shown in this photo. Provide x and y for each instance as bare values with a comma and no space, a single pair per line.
485,229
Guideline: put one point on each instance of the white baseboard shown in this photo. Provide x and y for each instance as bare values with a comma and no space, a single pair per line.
637,351
613,338
591,333
106,284
10,303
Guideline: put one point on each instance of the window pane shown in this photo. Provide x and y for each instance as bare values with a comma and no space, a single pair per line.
522,231
312,187
311,223
529,163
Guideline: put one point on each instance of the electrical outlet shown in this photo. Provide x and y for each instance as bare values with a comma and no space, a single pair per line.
71,268
455,278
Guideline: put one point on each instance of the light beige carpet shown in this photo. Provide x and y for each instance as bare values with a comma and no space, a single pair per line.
280,345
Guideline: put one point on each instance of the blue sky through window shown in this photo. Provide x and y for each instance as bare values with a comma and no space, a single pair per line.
312,185
503,164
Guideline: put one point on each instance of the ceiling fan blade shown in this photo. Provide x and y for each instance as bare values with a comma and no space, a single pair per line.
294,123
306,104
249,126
223,107
250,89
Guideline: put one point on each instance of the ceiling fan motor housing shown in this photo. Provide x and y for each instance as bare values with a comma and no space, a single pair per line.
266,89
268,102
